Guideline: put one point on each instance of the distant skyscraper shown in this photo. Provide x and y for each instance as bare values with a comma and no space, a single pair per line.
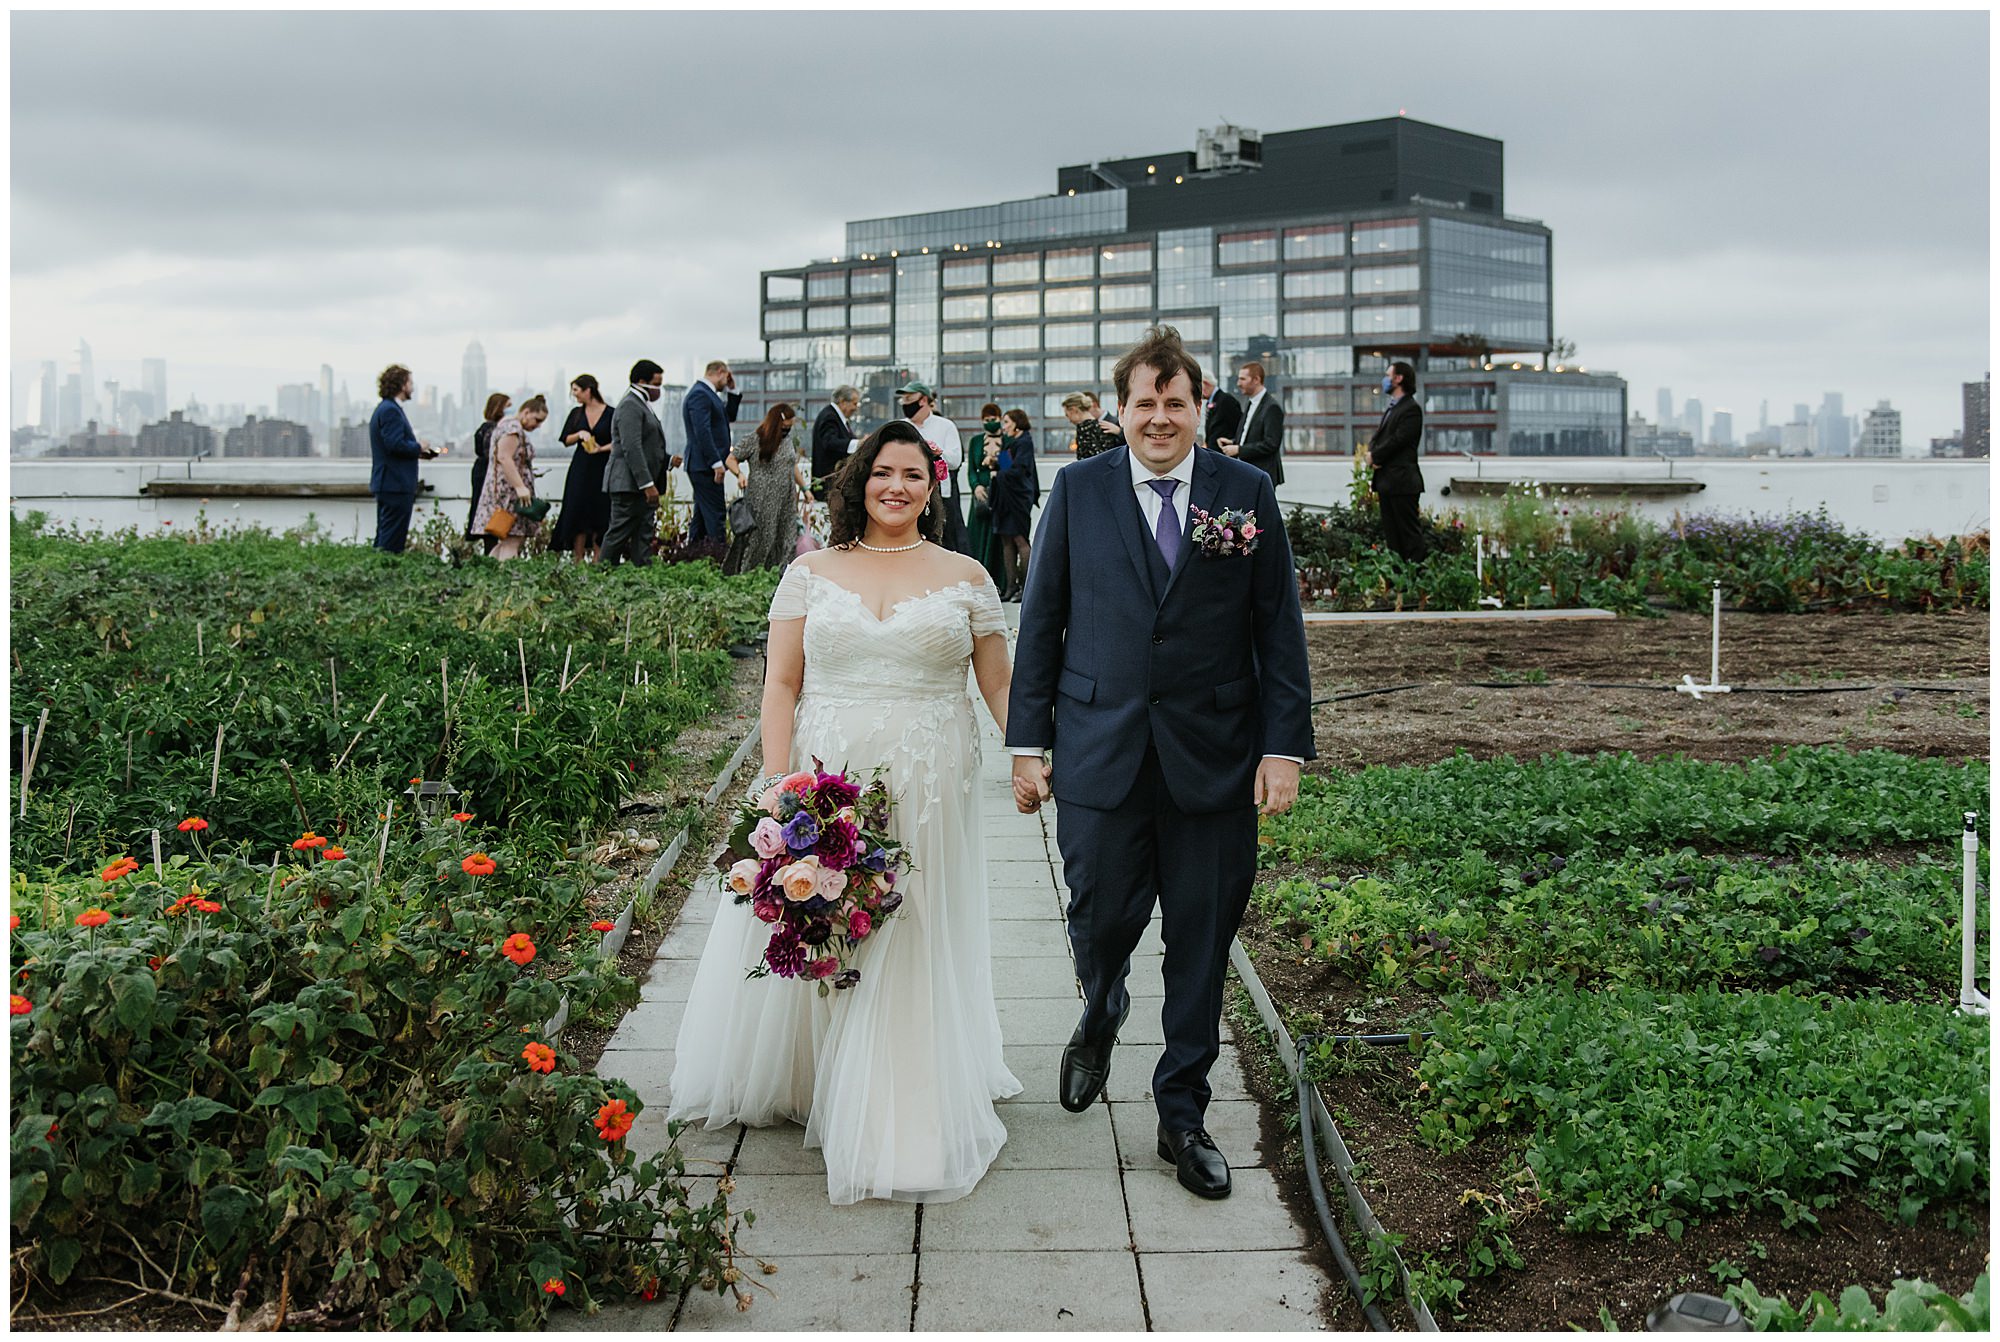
1830,436
1763,415
1724,434
1666,406
153,381
327,439
86,373
1801,413
69,406
472,381
45,401
1882,432
1978,421
1692,421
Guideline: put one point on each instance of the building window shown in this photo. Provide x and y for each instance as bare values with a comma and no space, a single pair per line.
1310,400
965,308
1068,335
1068,302
791,351
863,347
1052,408
1315,242
1258,247
1242,289
965,341
1016,373
827,284
1448,396
786,379
1072,371
1385,280
862,283
1316,322
1071,263
1374,321
1125,258
1192,329
1120,335
1107,368
1385,235
868,314
1124,297
784,319
965,274
829,318
1017,337
1315,283
1019,305
965,373
1479,442
783,288
1317,361
1023,269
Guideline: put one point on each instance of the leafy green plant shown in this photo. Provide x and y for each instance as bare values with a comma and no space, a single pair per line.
1909,1307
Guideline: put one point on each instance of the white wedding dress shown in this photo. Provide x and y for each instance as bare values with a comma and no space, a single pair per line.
894,1078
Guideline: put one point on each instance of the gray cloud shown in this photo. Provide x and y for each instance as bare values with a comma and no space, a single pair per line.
1744,205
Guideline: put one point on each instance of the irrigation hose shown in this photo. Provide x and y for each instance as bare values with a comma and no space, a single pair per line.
1627,685
1317,1188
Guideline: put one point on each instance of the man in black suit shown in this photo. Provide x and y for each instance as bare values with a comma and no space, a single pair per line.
1263,440
1393,453
833,436
1222,415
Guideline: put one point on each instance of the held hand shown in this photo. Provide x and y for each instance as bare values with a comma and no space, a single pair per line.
718,475
1031,783
1277,786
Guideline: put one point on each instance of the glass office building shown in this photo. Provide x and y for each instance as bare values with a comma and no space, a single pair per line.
1323,254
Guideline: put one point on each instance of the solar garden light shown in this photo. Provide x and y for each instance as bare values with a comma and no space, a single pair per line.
1693,1312
1715,685
1971,1001
1479,569
431,797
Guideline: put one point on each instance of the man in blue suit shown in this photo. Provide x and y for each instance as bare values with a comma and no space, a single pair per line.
707,416
1168,675
395,450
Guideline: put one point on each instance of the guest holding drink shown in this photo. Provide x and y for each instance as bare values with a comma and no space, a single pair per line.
586,508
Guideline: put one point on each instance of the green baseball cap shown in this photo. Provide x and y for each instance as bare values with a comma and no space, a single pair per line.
915,388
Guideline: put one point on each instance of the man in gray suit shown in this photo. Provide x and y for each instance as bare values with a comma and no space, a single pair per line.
636,469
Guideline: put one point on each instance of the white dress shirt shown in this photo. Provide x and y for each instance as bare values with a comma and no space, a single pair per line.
943,436
1249,411
1150,504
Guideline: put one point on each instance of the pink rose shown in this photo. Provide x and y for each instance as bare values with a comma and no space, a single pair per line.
1228,535
823,968
859,924
800,881
801,782
767,908
743,876
1249,531
769,801
768,838
831,882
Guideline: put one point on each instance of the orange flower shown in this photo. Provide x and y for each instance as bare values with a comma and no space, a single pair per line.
193,822
461,816
614,1120
334,854
92,918
207,906
307,840
601,926
13,921
519,948
153,963
541,1058
18,1005
478,865
118,870
650,1289
414,782
554,1286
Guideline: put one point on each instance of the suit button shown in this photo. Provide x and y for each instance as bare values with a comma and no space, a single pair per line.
1159,639
1153,699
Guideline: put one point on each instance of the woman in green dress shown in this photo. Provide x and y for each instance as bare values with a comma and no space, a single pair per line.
980,462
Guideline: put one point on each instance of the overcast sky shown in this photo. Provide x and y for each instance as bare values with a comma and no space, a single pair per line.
1744,206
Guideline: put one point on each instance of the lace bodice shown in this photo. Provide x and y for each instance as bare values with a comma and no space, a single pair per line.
921,647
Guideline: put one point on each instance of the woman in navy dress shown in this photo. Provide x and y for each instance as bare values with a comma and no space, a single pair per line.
1015,490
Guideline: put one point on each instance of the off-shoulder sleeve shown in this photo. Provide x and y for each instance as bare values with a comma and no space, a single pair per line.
789,601
987,617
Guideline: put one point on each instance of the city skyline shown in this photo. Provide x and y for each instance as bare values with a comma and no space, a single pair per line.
1803,284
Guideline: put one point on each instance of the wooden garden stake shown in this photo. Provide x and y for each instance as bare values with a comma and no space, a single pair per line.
444,686
364,727
35,755
521,647
628,631
199,649
304,824
128,761
24,771
562,681
382,853
215,770
333,679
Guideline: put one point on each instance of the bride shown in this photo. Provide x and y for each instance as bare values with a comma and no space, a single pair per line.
894,1078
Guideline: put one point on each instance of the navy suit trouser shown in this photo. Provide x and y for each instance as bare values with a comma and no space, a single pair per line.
392,521
1121,861
705,524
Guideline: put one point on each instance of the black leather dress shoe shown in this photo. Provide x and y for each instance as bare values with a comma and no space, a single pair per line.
1199,1166
1086,1065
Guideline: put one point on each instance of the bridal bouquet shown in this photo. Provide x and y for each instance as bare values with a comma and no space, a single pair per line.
811,854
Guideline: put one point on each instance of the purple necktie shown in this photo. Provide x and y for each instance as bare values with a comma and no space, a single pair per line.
1167,530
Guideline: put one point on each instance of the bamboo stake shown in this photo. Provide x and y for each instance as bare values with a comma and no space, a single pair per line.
333,678
382,853
304,824
521,647
199,649
628,631
159,869
24,771
562,681
444,684
128,761
215,770
35,756
364,727
674,652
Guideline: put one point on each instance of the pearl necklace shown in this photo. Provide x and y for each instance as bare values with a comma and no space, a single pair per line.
890,549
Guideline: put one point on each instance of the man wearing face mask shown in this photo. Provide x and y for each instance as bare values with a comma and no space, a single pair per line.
636,468
1393,453
919,406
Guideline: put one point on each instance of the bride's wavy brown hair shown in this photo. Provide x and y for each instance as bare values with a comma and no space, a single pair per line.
847,498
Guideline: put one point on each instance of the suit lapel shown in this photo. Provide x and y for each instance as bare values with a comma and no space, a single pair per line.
1122,505
1207,484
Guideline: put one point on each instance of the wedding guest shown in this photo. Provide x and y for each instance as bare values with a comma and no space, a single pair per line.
768,469
635,470
919,405
981,462
482,445
1016,489
1393,453
395,451
707,411
1263,440
586,509
510,482
1106,418
1091,435
833,437
1221,414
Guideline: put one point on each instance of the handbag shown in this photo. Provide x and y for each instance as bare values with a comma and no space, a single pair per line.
741,518
501,524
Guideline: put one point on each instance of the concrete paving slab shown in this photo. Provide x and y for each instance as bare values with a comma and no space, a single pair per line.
651,1024
705,1150
850,1292
1079,1291
669,981
1235,1125
685,942
1032,1209
1042,1135
1039,1020
794,1218
1166,1217
647,1071
779,1149
1272,1291
1028,936
1034,976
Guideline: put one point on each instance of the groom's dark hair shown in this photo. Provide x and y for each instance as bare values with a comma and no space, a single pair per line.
1161,350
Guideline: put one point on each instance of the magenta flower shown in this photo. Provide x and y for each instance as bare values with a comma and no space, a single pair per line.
823,968
837,843
859,924
786,955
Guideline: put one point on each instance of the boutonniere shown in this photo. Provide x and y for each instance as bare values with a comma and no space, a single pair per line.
1225,534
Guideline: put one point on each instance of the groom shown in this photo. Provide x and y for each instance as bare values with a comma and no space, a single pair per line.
1169,678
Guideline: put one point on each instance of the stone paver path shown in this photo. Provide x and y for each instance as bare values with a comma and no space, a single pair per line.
1078,1225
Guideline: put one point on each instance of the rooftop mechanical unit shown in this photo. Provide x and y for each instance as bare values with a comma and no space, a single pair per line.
1228,148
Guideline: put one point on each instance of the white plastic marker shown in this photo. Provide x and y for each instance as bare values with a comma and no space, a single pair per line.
1715,685
1479,569
1971,1001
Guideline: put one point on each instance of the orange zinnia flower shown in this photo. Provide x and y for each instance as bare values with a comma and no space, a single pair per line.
13,921
334,854
193,822
614,1120
118,870
18,1005
478,864
207,906
554,1286
307,840
519,948
541,1058
92,918
601,926
415,781
461,816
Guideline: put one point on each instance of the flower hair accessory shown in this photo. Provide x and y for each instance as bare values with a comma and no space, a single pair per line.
1224,535
940,470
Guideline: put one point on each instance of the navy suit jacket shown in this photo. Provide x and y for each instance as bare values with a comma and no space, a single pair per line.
706,418
1207,661
393,445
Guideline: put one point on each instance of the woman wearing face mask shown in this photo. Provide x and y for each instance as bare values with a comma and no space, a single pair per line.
482,448
1016,490
1393,453
510,481
980,466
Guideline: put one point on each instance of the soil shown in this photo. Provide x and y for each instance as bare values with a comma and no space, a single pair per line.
1873,665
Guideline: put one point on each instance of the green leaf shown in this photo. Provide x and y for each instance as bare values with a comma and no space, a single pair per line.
182,1115
133,996
62,1255
28,1191
223,1209
141,1181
